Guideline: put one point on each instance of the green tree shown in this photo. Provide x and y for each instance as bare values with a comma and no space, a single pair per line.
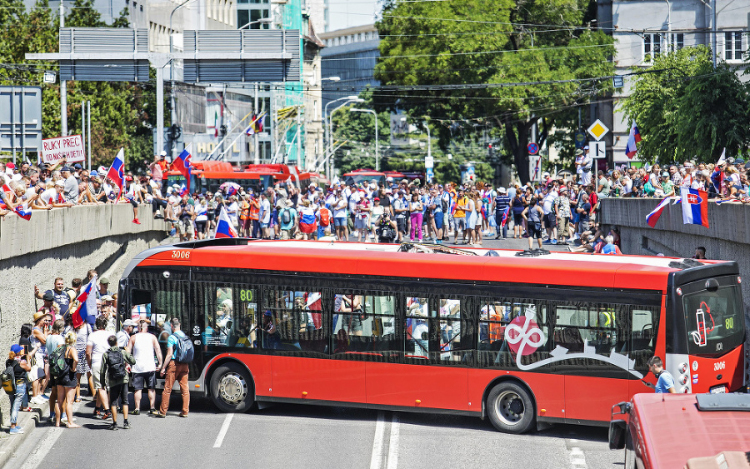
685,108
120,112
439,48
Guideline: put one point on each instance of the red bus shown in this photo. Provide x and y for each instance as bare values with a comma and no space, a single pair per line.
210,175
520,340
364,176
676,431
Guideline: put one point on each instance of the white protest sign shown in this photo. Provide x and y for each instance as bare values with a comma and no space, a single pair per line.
55,149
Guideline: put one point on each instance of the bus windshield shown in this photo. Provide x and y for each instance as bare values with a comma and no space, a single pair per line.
714,319
379,178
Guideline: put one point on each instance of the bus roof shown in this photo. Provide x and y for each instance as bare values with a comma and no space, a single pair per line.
557,268
675,430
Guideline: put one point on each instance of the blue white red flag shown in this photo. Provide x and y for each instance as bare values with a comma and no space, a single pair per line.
653,217
633,140
504,220
182,164
86,304
183,190
117,171
256,124
23,212
224,227
694,206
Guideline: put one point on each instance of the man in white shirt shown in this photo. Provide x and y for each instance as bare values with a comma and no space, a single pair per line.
265,215
550,219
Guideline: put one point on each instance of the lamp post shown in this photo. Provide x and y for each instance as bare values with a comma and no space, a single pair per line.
428,160
377,147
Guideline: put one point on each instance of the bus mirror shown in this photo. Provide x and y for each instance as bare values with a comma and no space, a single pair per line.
617,429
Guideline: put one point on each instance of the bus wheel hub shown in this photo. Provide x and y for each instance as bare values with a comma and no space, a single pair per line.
232,388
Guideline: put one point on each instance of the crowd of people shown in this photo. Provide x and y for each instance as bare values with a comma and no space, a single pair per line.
727,179
56,355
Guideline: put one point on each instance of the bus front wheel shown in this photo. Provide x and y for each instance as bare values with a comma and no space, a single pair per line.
231,388
510,408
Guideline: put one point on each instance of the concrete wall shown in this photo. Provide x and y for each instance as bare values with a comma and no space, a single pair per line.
64,243
728,237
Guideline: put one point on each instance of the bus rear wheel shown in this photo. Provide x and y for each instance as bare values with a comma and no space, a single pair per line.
231,388
510,408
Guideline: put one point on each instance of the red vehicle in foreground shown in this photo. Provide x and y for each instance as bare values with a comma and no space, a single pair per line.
521,340
674,431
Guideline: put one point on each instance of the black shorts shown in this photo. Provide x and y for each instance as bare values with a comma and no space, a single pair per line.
401,224
550,220
200,226
518,219
211,215
144,381
118,395
535,231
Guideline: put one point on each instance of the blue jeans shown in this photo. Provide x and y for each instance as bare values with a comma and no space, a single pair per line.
16,400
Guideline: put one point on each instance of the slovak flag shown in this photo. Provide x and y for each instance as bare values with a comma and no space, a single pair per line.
23,212
224,227
183,190
653,217
86,304
694,206
117,171
633,140
182,164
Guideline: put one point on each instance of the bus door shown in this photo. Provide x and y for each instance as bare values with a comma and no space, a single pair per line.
227,316
159,302
643,338
434,342
296,332
591,342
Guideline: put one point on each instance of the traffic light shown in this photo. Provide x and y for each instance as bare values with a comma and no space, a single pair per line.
491,151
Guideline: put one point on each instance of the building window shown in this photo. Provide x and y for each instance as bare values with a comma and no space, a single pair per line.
733,46
651,46
677,42
243,17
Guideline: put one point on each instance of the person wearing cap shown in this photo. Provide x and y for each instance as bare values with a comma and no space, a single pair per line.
376,212
288,218
18,360
70,190
500,204
123,335
49,306
144,347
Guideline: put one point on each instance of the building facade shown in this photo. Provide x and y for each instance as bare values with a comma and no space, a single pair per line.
350,55
643,29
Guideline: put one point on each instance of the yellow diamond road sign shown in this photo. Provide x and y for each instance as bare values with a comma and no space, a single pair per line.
598,130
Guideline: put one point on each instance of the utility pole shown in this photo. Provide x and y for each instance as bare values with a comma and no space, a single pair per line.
713,32
63,88
88,130
256,147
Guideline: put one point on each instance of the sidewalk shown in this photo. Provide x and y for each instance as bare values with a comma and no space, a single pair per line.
28,421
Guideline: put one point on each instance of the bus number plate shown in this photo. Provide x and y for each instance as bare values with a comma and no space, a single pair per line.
180,254
718,390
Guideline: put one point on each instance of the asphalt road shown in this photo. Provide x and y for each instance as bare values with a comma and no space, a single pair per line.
297,436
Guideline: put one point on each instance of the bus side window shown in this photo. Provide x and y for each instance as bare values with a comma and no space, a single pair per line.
298,319
364,327
593,324
454,343
643,336
417,333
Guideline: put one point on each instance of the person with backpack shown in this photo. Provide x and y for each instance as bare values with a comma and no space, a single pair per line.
287,220
114,372
175,368
14,383
63,363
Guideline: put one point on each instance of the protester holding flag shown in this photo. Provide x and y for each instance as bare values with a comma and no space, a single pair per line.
224,227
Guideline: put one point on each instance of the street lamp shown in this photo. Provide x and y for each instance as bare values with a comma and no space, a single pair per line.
331,79
260,21
327,123
377,147
429,150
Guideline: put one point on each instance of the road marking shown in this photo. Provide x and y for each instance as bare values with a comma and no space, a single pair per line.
577,458
43,448
393,444
223,431
377,443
